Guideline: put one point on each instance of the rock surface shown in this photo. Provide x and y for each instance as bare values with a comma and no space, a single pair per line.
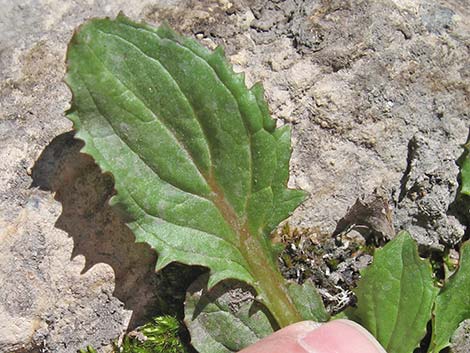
377,93
461,338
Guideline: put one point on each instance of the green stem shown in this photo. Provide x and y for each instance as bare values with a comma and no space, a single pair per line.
270,284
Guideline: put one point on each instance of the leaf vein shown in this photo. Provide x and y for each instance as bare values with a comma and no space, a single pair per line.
132,150
239,319
224,259
182,146
171,222
219,80
183,95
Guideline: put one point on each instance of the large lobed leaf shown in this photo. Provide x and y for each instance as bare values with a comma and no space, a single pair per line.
396,295
452,304
199,168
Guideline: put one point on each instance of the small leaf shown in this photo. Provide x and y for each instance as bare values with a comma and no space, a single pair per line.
309,302
453,303
225,319
396,295
89,349
199,168
465,170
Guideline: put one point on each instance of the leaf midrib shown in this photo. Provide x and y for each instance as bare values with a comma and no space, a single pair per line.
188,251
218,200
398,311
135,201
249,135
180,91
180,143
238,319
130,147
207,177
400,295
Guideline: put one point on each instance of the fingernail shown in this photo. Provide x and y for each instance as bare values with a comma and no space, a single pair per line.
340,336
308,326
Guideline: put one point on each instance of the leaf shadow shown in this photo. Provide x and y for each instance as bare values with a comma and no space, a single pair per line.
101,236
239,294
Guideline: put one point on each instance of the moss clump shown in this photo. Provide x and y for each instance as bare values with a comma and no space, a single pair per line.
161,335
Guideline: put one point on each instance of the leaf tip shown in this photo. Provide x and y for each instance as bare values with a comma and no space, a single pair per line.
162,260
213,280
121,17
220,52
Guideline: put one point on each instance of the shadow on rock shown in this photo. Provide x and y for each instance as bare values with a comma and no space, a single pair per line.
100,235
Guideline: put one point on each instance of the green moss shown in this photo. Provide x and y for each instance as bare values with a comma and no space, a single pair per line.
161,335
333,264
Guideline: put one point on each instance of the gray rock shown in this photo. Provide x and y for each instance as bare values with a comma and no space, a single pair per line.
376,91
461,338
427,190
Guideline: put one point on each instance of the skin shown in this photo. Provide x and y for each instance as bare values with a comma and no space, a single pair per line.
339,336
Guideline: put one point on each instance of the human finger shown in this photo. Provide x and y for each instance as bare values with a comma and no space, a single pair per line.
338,336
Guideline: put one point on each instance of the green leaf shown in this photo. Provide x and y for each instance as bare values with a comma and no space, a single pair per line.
225,319
396,295
200,170
89,349
309,302
465,170
453,303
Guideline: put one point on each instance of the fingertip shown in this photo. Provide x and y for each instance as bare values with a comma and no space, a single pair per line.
300,327
340,336
284,340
